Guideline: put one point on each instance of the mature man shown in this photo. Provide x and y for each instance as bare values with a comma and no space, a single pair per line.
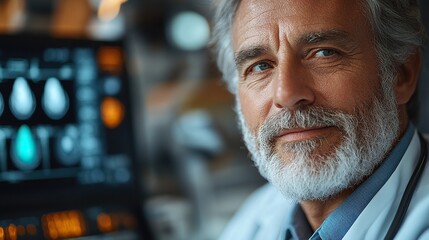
322,87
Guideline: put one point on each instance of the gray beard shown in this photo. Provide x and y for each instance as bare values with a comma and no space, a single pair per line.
368,135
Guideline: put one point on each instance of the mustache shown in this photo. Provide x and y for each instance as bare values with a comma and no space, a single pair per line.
302,118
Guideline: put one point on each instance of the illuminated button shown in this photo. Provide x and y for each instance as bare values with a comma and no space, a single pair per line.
87,112
86,73
112,86
112,112
11,231
55,101
86,94
66,72
110,59
62,225
20,230
22,101
24,149
90,145
2,235
31,230
105,223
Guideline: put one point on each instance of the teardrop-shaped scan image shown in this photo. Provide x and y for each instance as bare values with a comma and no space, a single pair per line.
55,101
25,153
22,101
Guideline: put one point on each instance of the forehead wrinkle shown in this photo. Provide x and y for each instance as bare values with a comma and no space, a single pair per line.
252,23
256,17
263,14
248,35
254,13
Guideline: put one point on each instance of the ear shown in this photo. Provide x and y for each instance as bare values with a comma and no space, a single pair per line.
408,74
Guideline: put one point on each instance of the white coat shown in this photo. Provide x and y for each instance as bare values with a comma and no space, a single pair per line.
265,215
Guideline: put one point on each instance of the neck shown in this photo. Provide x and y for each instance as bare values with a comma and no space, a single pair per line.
317,211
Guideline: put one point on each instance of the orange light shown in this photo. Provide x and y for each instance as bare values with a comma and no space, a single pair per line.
110,59
1,233
112,112
20,230
31,229
11,231
105,223
63,225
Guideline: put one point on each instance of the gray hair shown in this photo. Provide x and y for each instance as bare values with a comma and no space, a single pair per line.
396,24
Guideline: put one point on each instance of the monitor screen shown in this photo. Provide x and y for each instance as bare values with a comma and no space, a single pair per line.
66,144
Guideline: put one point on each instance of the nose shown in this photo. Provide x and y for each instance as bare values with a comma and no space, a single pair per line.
292,86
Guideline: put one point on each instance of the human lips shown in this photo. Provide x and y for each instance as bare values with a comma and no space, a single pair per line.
300,134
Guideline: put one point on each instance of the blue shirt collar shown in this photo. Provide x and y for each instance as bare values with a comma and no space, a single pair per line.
341,219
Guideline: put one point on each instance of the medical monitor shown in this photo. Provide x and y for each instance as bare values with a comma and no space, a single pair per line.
67,164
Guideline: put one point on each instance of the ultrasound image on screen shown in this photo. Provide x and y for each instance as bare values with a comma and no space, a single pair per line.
63,114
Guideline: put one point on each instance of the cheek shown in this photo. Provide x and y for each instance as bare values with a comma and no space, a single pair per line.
347,92
254,108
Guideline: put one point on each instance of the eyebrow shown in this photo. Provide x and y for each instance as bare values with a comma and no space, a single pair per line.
248,54
324,36
340,37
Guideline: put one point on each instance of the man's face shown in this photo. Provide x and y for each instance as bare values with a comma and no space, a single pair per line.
310,94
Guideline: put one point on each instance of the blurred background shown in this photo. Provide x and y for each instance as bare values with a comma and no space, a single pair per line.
131,99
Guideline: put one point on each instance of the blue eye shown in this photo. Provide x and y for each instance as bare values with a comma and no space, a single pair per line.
260,67
325,53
